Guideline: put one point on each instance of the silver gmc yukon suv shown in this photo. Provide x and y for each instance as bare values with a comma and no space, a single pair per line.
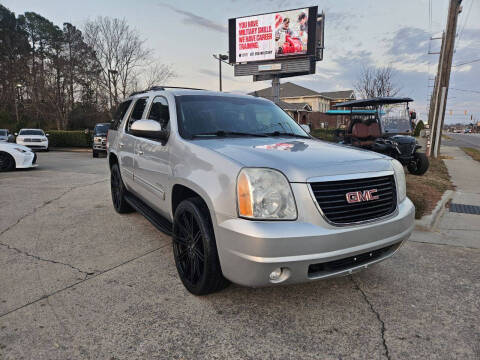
247,194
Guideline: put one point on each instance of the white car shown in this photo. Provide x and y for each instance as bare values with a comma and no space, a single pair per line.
35,139
16,156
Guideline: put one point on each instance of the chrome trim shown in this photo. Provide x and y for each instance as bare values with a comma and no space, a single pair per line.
352,177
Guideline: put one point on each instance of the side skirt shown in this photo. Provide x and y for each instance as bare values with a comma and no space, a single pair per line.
151,215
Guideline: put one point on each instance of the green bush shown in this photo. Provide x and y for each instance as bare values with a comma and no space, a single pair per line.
324,134
61,138
420,126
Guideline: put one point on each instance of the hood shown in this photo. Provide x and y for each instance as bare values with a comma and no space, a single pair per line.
299,159
9,146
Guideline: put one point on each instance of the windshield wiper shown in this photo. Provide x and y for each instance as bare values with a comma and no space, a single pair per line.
279,133
222,133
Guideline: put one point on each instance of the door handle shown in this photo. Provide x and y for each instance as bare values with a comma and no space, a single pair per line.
140,152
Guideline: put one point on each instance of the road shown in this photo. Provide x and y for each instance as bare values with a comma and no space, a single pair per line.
79,281
462,140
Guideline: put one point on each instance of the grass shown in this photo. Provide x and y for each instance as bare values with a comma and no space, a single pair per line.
446,137
474,153
426,190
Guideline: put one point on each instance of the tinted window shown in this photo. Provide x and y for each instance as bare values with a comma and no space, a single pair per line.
159,111
31,132
137,112
200,114
101,129
119,114
3,132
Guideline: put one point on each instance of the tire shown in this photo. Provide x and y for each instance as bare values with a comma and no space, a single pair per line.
7,162
195,249
94,154
419,165
47,149
118,191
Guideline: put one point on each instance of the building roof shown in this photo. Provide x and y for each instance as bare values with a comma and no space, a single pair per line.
301,106
289,89
337,95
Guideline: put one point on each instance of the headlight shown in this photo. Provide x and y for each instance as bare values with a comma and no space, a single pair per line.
400,180
20,150
264,194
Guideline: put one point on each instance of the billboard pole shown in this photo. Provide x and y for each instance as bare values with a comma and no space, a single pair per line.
276,89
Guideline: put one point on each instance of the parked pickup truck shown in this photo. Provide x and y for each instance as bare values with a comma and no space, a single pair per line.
248,195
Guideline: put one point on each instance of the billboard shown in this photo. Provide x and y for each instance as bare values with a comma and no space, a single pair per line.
278,35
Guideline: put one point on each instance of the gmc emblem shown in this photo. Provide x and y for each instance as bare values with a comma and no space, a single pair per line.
360,196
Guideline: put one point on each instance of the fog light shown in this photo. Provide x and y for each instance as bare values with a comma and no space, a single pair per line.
275,274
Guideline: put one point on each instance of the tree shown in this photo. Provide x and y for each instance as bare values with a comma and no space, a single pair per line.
123,58
376,82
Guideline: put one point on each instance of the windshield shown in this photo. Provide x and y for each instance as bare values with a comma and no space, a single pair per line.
31,132
395,118
207,116
101,128
3,132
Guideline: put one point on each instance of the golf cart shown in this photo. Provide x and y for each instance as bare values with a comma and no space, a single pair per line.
384,125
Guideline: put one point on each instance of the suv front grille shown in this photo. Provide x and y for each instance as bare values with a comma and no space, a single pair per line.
331,196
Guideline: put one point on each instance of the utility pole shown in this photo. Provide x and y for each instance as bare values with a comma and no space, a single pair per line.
220,58
440,93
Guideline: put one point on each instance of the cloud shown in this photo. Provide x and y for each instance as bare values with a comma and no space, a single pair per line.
193,19
215,74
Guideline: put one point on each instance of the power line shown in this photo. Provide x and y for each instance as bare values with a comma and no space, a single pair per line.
466,63
465,90
465,23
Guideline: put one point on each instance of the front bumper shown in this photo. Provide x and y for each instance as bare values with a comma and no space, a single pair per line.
309,248
27,160
43,145
100,144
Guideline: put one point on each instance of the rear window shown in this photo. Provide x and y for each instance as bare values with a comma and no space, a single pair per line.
120,114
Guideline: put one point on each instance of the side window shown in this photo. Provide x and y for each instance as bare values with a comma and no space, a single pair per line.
119,114
137,112
159,111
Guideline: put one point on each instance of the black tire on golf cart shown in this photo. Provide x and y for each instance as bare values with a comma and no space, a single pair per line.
195,249
7,162
419,165
118,191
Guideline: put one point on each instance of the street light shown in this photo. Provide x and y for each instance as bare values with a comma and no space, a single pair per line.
18,88
113,72
220,58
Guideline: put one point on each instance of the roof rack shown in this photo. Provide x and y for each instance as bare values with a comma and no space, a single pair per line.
160,88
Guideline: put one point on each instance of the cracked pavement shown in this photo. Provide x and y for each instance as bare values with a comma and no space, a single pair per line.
79,281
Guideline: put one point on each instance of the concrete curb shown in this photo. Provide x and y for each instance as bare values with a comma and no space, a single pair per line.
73,149
427,222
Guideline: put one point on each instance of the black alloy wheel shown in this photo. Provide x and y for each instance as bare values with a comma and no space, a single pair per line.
7,162
118,191
195,250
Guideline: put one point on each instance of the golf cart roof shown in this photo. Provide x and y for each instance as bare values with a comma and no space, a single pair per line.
374,101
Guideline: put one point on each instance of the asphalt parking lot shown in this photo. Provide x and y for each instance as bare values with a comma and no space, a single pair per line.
79,281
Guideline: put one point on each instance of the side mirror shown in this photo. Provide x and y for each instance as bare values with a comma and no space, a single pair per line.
149,129
306,128
47,135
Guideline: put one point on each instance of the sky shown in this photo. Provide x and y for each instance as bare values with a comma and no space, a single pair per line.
187,33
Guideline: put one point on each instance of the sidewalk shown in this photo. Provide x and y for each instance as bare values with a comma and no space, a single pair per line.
458,228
